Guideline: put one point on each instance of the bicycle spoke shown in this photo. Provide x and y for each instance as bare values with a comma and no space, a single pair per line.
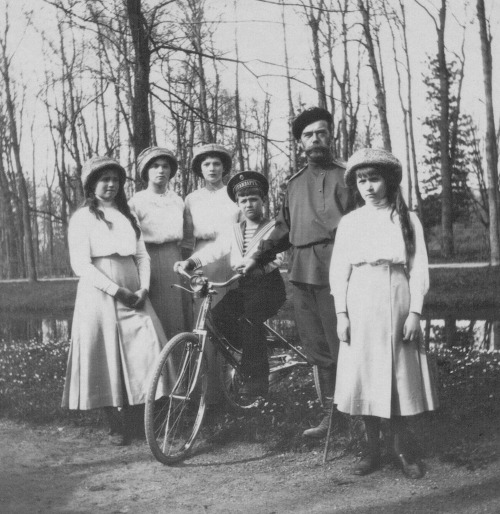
176,399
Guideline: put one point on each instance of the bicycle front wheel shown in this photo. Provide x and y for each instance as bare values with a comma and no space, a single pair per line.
175,403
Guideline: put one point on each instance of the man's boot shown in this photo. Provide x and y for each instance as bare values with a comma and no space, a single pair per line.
326,379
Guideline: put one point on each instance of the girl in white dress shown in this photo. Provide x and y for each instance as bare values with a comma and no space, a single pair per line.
116,335
209,212
160,212
379,277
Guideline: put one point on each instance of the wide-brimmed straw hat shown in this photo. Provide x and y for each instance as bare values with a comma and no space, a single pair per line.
202,151
98,163
375,157
152,153
244,179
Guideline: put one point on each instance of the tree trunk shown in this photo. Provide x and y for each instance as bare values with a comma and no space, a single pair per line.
140,103
379,90
491,142
313,22
21,182
446,196
291,113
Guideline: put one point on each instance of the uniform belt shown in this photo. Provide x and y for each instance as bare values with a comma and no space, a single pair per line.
322,242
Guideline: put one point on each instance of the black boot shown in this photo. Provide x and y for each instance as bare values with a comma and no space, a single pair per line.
119,429
326,378
405,454
370,461
113,420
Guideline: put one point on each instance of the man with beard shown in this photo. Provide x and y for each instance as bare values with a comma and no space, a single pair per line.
315,200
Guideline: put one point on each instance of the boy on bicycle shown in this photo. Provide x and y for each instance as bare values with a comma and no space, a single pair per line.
259,294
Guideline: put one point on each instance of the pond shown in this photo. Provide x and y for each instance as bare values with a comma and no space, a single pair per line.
472,330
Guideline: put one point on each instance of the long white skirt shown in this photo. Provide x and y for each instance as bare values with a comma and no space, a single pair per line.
113,348
378,373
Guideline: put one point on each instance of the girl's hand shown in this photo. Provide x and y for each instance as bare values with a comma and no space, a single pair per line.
411,329
343,327
126,296
141,294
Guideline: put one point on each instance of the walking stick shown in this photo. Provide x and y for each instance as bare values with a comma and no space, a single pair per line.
327,442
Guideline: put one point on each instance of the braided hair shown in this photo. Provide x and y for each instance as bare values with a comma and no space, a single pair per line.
395,199
92,202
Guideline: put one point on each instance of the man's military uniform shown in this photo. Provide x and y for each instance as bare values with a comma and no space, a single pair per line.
316,199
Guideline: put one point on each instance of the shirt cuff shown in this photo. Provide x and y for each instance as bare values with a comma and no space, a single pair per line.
416,303
112,289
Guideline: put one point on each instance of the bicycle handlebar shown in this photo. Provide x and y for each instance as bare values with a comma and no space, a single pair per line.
232,280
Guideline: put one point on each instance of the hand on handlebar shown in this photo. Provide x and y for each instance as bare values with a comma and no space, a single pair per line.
182,267
247,267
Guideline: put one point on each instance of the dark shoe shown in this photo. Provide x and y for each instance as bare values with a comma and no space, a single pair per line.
411,468
320,431
367,464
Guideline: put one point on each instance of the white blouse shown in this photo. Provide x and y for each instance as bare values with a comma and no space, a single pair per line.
207,214
160,216
369,234
90,237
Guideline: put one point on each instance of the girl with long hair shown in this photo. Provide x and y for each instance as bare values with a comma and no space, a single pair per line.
379,277
116,335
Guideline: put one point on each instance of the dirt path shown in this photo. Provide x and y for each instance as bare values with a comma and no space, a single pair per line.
51,470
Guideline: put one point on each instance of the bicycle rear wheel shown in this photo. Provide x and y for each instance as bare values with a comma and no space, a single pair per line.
175,403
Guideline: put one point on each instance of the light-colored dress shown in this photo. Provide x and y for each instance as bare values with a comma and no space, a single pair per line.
161,219
113,347
207,215
378,373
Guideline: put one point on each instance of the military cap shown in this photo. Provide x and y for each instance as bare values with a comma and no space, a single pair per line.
245,179
98,163
376,157
201,152
307,117
150,154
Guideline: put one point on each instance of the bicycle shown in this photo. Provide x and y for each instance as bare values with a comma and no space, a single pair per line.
175,404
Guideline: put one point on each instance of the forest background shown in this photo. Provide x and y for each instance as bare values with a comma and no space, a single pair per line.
80,78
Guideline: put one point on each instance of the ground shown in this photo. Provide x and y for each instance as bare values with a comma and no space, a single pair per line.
54,469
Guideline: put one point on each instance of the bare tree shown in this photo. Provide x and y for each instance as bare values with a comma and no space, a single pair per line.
291,113
491,141
22,189
365,10
447,246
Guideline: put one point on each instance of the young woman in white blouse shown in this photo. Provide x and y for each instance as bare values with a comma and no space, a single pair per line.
208,213
160,212
379,277
116,335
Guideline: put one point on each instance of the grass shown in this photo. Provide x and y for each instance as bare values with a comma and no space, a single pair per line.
466,289
38,297
464,431
471,243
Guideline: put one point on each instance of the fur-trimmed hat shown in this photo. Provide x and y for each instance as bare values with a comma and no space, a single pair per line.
244,179
202,151
151,153
376,157
98,163
307,117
